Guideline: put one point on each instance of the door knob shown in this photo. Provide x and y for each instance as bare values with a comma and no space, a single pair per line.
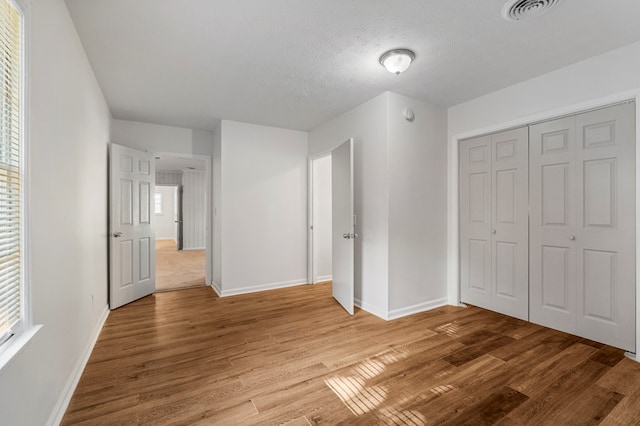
117,234
494,232
347,236
572,237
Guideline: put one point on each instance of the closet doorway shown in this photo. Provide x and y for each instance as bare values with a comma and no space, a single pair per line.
180,222
575,213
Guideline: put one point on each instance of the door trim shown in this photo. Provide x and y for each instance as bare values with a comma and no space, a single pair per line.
310,255
453,184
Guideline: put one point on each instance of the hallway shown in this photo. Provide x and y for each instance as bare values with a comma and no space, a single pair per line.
178,269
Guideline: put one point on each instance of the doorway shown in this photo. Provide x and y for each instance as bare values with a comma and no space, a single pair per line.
332,222
320,220
180,222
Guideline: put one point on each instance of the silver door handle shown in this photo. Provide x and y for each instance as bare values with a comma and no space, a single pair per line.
177,221
117,234
494,232
347,236
572,237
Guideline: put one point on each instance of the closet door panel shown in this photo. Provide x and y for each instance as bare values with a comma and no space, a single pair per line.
606,225
552,237
475,221
509,249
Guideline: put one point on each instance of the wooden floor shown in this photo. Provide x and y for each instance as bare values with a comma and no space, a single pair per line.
294,356
178,269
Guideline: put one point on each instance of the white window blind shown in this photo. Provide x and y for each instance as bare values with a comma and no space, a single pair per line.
11,289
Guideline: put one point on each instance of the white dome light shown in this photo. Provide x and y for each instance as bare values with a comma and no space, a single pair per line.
397,60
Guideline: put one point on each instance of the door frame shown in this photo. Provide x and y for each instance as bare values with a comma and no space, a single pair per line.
176,189
453,188
208,206
310,188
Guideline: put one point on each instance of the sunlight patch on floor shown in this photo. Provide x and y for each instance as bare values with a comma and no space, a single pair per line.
360,399
450,329
352,392
442,389
391,416
369,368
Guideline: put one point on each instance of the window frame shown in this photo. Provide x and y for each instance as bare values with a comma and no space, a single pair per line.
25,330
157,197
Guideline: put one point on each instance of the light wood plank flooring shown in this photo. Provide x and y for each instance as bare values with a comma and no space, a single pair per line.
178,269
293,356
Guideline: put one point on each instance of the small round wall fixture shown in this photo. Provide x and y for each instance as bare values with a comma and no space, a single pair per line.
397,60
408,115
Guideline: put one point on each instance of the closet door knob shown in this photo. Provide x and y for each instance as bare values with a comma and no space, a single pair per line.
493,232
572,237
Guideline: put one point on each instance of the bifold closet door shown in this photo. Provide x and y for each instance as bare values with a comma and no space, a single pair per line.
475,221
494,222
582,232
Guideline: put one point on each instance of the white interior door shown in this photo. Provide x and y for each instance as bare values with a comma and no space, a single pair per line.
475,221
583,225
343,226
494,222
553,224
510,223
132,239
605,238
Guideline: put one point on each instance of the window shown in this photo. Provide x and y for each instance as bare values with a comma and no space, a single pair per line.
12,271
158,205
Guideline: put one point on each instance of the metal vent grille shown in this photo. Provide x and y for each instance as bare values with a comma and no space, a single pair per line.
519,10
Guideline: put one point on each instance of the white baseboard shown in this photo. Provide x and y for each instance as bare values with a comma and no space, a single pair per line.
414,309
262,287
216,288
402,312
371,309
63,402
323,278
193,248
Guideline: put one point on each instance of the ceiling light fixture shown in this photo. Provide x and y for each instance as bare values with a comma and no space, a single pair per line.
397,60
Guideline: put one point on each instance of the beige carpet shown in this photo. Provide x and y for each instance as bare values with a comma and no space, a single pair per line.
178,269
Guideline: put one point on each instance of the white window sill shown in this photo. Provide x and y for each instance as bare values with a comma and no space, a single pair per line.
14,345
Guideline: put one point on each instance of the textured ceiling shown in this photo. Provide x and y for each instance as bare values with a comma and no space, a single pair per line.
299,63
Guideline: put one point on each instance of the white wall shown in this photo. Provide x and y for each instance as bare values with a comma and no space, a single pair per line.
69,124
417,171
612,72
157,138
194,197
367,124
165,222
264,220
321,219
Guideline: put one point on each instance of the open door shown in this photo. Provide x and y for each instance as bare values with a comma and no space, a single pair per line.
179,220
343,224
132,256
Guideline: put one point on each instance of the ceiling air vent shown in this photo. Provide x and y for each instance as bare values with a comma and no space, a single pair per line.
519,10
